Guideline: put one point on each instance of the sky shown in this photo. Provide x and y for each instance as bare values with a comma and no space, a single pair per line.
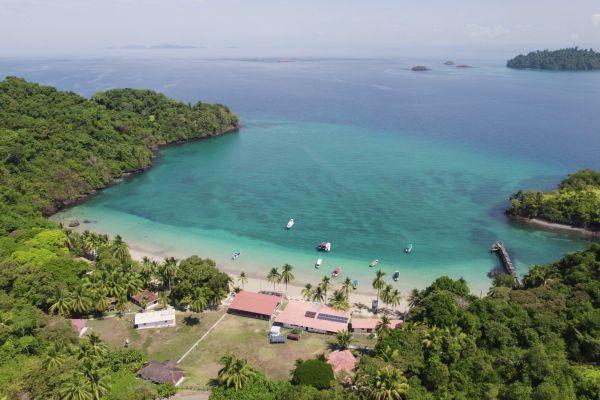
294,27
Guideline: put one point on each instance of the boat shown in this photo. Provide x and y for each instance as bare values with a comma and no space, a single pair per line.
355,283
408,249
336,271
235,255
290,223
324,246
374,263
318,263
396,276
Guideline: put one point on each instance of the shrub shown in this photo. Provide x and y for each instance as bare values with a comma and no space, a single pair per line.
315,373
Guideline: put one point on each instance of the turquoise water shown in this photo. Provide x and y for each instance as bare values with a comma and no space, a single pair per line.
364,154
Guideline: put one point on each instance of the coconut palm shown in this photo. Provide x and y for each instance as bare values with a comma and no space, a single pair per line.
347,287
147,269
243,278
235,372
121,304
390,384
343,339
163,299
286,275
378,282
386,294
308,292
77,389
120,250
55,357
199,301
80,300
97,381
339,301
132,284
413,298
383,327
395,298
318,294
325,285
169,270
389,354
432,338
62,303
274,277
98,348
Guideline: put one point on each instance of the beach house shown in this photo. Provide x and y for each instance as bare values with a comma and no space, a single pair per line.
155,319
313,317
256,305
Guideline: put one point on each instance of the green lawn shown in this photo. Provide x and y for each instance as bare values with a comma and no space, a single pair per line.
161,344
248,337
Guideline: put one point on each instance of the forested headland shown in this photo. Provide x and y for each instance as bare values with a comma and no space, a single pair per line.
576,202
569,59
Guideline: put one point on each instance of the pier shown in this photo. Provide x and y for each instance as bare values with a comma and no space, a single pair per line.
506,261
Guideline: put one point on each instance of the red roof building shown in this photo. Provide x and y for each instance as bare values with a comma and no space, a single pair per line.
166,372
151,298
341,361
313,317
255,305
79,325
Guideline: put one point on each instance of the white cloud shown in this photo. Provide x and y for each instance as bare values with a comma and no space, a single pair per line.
595,18
492,31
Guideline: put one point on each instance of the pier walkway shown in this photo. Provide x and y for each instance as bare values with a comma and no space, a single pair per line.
507,263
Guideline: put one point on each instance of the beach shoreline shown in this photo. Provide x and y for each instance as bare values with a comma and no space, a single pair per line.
256,283
556,227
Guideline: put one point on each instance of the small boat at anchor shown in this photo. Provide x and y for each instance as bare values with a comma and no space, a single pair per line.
318,263
408,249
235,255
374,263
290,223
336,271
355,284
396,276
324,246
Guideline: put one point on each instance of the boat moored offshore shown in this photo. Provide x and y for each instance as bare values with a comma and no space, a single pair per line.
355,283
408,249
336,271
290,223
324,246
318,263
374,263
396,276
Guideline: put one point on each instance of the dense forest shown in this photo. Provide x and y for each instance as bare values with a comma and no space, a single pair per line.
54,148
570,59
575,202
541,342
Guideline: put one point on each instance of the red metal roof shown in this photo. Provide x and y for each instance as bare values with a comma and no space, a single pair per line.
342,360
301,313
148,295
255,303
79,324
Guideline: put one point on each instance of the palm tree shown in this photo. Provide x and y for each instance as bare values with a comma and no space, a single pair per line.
100,299
386,294
388,354
395,298
325,285
383,327
90,245
339,301
121,304
147,269
97,348
308,292
318,294
199,301
77,389
235,372
120,250
169,270
343,339
163,299
61,303
432,338
390,384
98,385
132,284
55,357
414,298
274,277
286,275
243,278
347,287
378,282
80,301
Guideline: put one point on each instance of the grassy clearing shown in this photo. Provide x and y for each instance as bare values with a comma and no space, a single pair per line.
160,344
247,337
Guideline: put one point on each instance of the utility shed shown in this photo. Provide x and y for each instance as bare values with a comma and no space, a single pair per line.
155,319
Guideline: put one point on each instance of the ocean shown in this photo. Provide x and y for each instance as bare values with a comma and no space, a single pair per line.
363,153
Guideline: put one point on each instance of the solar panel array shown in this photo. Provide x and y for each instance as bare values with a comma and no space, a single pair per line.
334,318
310,314
277,339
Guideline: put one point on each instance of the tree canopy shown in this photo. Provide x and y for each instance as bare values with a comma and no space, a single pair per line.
569,59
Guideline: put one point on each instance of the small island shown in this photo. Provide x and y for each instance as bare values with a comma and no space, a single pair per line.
575,203
449,63
420,68
570,59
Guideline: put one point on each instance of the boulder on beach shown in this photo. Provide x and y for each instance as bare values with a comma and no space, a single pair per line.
420,68
73,223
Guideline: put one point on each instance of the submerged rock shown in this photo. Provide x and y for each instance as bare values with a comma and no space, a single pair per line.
420,68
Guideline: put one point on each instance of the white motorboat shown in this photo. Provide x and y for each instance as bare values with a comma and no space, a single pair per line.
374,263
290,223
318,263
396,276
324,246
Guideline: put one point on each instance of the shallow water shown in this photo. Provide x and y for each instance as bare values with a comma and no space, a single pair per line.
362,153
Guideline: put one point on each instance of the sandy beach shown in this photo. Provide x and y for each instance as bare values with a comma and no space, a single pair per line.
362,296
551,226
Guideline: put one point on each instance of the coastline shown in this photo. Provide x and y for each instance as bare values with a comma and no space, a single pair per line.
556,227
56,208
256,283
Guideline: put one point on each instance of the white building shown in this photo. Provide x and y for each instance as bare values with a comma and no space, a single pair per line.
155,319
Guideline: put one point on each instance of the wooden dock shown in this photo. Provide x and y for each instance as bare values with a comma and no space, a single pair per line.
507,263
